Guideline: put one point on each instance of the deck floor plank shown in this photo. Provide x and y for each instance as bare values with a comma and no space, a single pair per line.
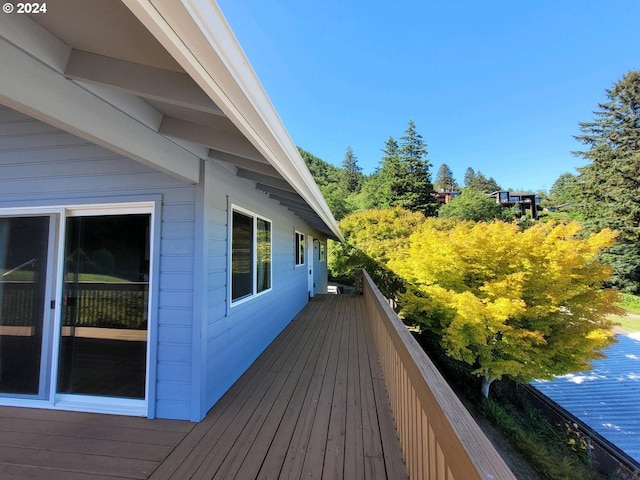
283,440
282,418
312,405
295,456
210,445
262,422
334,451
313,465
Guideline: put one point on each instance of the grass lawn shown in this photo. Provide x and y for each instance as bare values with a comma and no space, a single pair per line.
631,322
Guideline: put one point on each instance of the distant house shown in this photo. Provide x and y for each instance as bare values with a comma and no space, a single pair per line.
445,196
158,227
526,201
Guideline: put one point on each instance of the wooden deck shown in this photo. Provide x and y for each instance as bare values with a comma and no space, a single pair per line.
313,405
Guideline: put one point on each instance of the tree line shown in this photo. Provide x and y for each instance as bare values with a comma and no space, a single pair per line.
603,194
521,297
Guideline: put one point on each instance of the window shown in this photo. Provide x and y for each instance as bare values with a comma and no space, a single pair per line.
323,252
250,255
299,248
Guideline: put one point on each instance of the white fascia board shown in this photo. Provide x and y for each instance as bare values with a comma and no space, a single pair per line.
35,86
197,35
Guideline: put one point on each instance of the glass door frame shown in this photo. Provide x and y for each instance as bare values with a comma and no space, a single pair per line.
54,292
49,315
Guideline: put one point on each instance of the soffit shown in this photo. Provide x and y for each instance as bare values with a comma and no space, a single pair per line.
111,50
106,28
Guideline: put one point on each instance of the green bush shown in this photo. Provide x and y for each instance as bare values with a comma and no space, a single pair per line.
631,303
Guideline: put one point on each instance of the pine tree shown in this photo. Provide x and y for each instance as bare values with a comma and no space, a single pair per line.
479,182
611,182
389,179
351,175
469,177
444,180
565,190
416,194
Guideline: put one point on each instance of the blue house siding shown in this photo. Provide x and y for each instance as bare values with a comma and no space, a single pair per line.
42,166
237,334
200,344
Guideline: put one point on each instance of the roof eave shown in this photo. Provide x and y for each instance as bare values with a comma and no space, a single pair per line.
198,36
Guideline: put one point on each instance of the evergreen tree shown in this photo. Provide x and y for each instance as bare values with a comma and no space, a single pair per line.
328,178
404,179
323,172
479,182
351,174
444,180
389,179
417,189
469,177
611,182
565,190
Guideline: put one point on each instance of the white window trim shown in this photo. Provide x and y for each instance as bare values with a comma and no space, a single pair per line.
297,250
254,277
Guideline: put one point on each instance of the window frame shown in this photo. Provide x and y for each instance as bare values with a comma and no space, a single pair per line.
299,247
254,255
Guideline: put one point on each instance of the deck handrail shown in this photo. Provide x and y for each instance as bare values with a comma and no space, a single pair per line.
438,436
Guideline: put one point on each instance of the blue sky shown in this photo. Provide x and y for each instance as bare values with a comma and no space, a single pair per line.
499,86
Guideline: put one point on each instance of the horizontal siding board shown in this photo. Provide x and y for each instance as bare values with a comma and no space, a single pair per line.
216,297
177,228
96,185
175,263
178,211
178,246
176,280
173,371
56,155
175,391
175,334
173,410
39,142
173,298
175,316
175,352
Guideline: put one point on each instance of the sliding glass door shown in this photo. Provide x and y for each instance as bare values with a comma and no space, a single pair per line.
103,335
24,258
74,306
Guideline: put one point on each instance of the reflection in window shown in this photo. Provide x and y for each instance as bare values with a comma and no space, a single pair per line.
299,248
250,255
23,263
103,342
263,263
241,256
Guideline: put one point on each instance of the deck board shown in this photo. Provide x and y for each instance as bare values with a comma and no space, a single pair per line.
312,405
